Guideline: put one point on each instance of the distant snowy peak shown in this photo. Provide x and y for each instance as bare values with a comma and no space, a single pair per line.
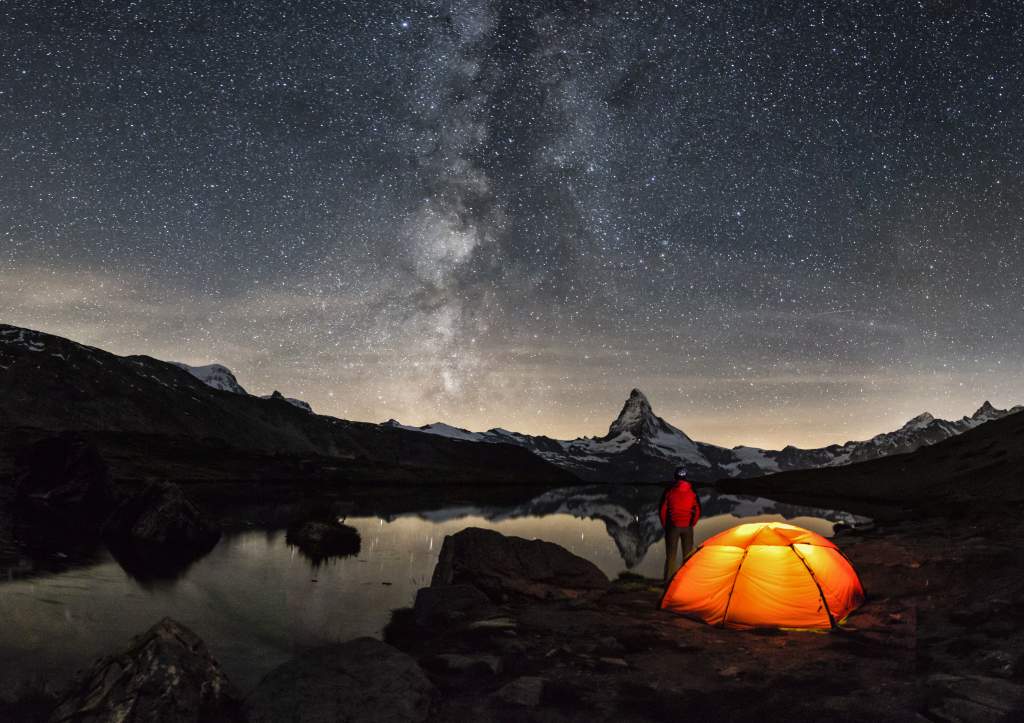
440,429
638,419
304,406
220,377
214,375
919,422
986,413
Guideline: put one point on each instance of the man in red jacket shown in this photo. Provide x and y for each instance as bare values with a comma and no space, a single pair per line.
680,510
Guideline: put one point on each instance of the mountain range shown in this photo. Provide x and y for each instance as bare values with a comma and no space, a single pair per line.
642,447
189,413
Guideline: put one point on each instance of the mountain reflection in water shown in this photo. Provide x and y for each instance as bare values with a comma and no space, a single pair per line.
256,601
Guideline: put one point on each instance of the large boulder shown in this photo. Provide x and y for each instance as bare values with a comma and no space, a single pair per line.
158,530
321,540
361,681
64,476
445,604
504,567
165,676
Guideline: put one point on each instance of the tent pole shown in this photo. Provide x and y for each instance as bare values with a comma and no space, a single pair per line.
814,579
734,579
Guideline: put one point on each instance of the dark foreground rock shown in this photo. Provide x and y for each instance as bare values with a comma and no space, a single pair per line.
445,604
165,676
158,530
503,566
361,681
66,477
940,638
322,540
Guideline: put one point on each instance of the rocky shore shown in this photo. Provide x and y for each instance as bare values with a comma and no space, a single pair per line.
940,638
511,629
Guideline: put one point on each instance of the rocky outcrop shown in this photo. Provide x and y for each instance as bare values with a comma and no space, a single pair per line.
166,676
64,476
321,540
445,604
361,681
504,567
158,530
277,396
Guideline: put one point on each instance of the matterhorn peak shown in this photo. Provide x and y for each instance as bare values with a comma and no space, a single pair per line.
636,417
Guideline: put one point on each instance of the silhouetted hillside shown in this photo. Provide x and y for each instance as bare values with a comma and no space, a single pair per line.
152,418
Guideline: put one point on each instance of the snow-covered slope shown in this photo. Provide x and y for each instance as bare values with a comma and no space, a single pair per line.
220,377
305,406
214,375
642,447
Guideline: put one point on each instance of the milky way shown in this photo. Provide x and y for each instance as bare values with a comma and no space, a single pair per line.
786,222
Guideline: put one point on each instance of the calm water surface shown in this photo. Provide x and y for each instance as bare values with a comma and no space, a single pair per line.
256,601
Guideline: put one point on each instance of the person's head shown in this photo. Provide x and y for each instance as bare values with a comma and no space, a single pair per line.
681,473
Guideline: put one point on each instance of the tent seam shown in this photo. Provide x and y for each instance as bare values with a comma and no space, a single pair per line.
814,579
854,568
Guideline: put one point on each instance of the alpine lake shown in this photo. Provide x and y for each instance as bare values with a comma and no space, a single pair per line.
257,601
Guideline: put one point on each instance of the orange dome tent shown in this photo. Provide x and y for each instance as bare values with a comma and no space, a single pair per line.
766,574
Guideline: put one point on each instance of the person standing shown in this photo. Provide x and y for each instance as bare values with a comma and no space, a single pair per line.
680,510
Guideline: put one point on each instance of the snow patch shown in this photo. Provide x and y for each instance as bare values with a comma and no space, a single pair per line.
214,375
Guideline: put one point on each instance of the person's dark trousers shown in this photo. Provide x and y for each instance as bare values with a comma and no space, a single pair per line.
674,538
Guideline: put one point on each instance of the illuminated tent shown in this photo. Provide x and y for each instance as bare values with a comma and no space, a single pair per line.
766,574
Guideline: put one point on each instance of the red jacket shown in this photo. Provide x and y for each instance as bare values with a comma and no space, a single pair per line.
680,505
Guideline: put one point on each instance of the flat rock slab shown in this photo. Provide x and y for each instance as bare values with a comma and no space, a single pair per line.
505,567
166,676
361,681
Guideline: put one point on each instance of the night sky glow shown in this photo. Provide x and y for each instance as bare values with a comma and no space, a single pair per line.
786,222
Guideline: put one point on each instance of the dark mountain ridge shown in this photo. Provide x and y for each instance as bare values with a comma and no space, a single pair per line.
145,409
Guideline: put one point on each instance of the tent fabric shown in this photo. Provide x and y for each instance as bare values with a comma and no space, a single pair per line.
766,574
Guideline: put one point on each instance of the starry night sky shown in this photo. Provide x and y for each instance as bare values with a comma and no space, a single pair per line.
787,222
